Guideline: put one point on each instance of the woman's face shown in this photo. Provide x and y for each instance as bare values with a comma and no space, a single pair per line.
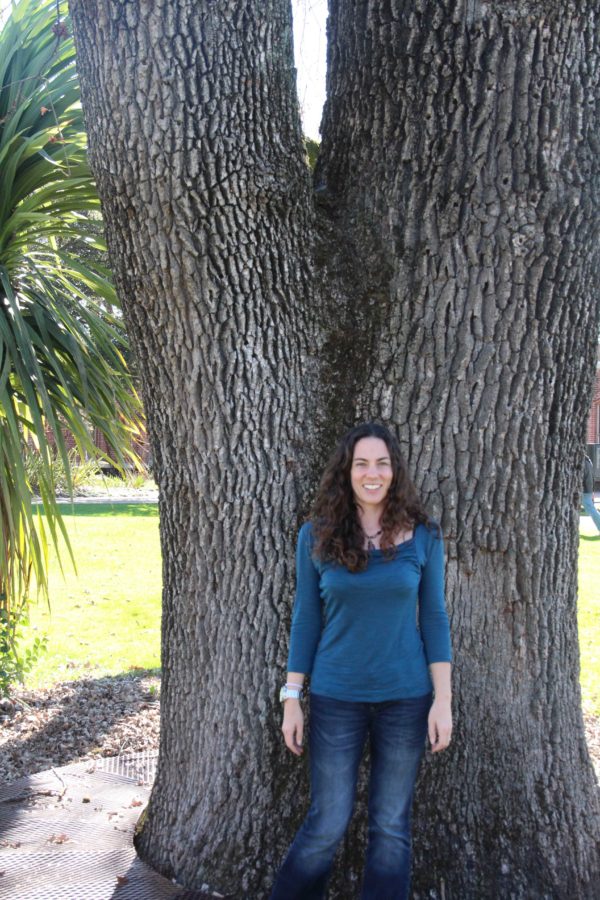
371,471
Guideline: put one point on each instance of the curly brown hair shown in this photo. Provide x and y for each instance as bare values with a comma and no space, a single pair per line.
339,536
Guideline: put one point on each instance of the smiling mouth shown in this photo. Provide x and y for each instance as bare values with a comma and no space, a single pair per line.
371,487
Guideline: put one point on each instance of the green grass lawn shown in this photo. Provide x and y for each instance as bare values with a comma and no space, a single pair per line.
106,619
588,615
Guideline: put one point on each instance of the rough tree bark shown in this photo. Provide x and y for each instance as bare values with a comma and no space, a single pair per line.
196,146
460,152
442,279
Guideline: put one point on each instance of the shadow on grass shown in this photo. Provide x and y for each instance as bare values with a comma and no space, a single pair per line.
139,672
106,509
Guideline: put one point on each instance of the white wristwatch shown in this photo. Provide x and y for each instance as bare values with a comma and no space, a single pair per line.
286,693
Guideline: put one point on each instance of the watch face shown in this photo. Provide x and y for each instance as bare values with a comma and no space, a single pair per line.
286,692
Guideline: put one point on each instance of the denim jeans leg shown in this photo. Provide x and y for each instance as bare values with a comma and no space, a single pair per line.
338,730
397,741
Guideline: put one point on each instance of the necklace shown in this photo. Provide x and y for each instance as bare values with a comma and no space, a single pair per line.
370,544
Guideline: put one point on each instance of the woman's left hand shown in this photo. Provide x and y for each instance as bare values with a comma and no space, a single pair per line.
439,724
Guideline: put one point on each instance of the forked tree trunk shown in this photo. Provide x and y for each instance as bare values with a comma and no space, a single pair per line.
460,151
443,281
196,146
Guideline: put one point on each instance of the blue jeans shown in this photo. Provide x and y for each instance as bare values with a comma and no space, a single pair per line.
338,728
587,501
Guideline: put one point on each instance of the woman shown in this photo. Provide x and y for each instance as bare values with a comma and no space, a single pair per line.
370,627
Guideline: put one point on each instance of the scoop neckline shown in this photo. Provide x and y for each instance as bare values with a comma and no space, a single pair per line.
396,546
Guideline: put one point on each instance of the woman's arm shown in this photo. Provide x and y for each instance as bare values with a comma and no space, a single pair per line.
304,637
439,723
435,631
306,615
440,676
293,717
433,618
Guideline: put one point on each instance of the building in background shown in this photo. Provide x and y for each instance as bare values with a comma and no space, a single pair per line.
593,427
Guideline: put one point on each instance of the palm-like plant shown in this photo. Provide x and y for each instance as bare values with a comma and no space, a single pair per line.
62,339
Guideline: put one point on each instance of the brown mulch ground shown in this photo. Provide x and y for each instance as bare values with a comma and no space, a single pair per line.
77,721
83,720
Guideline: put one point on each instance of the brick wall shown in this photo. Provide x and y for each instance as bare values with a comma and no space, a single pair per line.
141,445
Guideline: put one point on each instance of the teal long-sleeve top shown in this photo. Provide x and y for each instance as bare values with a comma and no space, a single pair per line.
370,635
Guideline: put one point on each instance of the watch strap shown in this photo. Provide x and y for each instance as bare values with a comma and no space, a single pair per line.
287,693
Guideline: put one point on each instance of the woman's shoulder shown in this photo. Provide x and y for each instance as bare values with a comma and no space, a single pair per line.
306,543
306,535
426,532
306,530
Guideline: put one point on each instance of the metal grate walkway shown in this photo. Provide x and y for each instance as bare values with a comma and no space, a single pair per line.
67,834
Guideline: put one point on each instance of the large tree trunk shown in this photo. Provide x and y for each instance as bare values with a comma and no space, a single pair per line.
453,274
196,145
460,152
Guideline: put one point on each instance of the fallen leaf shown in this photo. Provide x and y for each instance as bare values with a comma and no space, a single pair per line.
58,838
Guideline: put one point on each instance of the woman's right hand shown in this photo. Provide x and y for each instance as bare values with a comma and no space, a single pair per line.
293,725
